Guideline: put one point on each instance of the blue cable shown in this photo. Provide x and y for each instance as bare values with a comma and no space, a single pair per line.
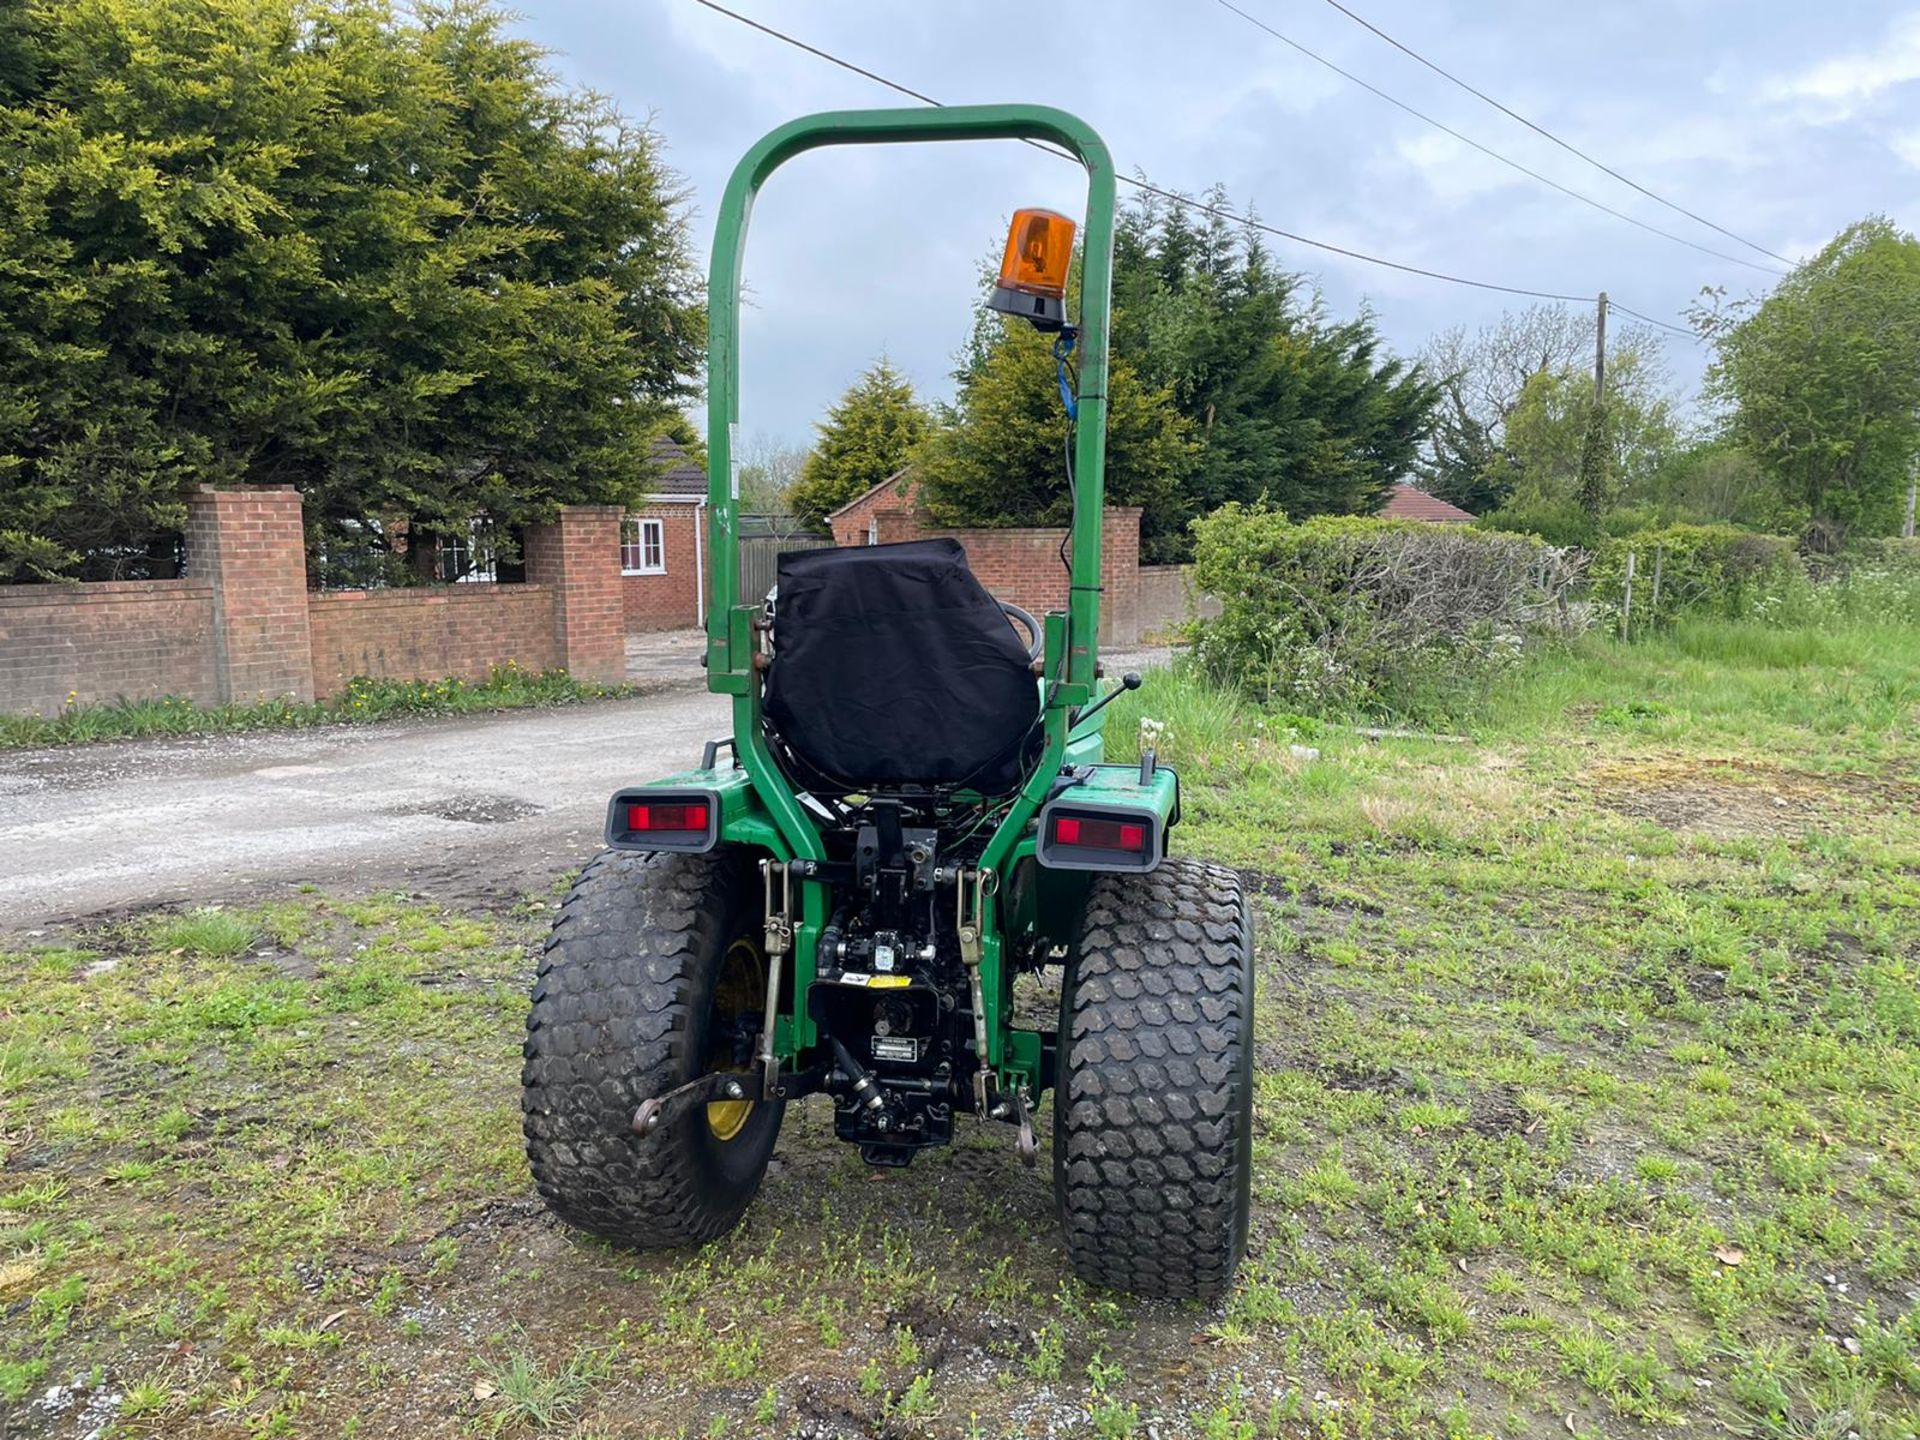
1062,350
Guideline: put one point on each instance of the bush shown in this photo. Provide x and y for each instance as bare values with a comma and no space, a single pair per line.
1557,522
1709,570
1347,615
1870,582
1890,555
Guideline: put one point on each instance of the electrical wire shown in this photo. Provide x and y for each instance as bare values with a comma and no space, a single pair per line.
1488,150
1188,201
815,50
1613,304
1151,189
1541,130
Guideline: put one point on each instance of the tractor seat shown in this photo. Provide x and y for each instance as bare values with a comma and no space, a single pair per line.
893,668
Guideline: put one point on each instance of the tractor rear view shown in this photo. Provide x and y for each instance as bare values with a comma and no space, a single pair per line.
912,809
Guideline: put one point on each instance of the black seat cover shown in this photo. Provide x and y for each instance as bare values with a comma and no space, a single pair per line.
892,666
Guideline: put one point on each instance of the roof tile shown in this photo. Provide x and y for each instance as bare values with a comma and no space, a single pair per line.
1410,502
676,472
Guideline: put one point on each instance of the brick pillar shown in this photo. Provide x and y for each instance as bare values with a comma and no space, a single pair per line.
1120,575
249,544
577,555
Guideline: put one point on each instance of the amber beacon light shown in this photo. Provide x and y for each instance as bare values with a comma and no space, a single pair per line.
1033,271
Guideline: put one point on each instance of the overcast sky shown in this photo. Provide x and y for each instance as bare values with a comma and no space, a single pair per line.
1780,121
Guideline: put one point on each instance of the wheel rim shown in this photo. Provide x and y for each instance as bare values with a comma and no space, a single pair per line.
738,995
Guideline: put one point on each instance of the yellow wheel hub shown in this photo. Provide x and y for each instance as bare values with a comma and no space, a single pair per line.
740,991
727,1118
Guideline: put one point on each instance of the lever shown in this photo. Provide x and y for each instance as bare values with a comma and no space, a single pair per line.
1129,681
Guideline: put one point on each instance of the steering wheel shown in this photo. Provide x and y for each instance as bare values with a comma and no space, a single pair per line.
1036,637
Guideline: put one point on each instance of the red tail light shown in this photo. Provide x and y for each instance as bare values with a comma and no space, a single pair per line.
1099,834
647,819
1078,834
674,817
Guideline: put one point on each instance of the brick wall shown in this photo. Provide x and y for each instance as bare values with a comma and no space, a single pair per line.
577,555
243,625
1023,566
1167,599
459,631
250,545
850,526
101,641
668,601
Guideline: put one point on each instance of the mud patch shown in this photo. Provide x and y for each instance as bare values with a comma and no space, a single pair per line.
1306,893
1498,1112
1354,1079
1730,799
475,809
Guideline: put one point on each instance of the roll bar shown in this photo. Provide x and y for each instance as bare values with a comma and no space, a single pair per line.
730,641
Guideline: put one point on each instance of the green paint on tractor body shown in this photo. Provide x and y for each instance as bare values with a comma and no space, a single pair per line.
913,809
730,625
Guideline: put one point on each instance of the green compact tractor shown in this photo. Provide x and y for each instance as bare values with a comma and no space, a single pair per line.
912,809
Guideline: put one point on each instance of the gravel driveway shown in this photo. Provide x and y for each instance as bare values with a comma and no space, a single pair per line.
458,807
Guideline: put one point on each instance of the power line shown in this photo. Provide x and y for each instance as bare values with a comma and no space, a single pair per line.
1237,219
815,50
1488,150
1146,186
1568,146
1175,196
1613,304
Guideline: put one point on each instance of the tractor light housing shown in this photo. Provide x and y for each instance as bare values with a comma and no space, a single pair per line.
656,819
1083,836
1033,270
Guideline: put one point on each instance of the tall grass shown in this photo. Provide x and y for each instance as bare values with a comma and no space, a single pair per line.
1187,719
1746,681
207,931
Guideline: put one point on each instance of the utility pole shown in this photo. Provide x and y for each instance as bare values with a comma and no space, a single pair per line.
1600,350
1913,494
1592,493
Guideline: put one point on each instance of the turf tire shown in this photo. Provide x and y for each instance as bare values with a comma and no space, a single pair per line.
620,1013
1153,1111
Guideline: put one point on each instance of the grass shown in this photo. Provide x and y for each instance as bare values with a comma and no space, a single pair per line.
207,931
524,1393
1588,1058
506,687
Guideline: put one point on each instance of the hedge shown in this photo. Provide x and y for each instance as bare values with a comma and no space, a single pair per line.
1713,570
1341,614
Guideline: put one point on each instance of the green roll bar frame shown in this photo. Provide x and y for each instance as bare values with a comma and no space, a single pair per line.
1071,641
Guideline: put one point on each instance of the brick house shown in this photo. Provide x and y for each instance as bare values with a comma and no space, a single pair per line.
858,521
1409,502
663,546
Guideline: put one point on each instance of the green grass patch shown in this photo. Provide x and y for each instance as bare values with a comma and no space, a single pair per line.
506,687
209,930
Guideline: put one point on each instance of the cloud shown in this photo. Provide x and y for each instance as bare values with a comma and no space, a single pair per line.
1735,121
1845,82
1453,172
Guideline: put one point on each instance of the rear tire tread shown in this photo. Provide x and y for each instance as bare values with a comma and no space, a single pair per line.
612,1024
1153,1114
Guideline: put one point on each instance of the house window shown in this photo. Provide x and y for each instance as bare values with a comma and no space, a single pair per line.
643,547
469,558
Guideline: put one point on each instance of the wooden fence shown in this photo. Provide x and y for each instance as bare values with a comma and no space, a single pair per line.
760,550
